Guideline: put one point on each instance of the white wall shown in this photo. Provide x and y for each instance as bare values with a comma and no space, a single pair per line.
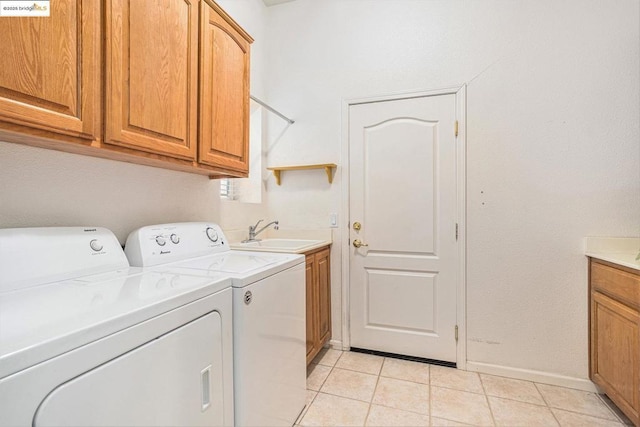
252,16
553,143
49,188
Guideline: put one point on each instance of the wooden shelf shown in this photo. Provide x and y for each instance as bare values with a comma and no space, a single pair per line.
328,168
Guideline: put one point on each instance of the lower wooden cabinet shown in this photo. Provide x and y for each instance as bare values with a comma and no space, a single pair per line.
615,334
318,283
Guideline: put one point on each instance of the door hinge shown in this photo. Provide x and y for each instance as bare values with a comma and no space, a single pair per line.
456,332
456,231
455,128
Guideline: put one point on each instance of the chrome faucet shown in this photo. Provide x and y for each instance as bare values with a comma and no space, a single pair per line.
253,233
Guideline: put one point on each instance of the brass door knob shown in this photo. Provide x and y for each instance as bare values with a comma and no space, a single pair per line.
357,243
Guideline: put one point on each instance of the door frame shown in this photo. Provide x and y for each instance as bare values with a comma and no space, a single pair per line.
461,174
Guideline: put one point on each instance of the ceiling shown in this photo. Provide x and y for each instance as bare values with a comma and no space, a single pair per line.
275,2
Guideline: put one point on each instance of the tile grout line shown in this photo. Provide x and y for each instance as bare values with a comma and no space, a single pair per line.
547,403
430,399
588,415
611,416
486,398
551,408
366,418
543,405
620,420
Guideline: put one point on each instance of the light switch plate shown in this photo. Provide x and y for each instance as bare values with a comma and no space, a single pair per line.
333,220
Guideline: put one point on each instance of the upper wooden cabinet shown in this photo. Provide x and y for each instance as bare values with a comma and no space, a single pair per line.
50,76
176,83
224,65
151,76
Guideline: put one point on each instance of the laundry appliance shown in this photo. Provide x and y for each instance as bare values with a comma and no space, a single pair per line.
85,340
269,333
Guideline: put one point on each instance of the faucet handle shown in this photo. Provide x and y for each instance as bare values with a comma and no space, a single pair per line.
253,227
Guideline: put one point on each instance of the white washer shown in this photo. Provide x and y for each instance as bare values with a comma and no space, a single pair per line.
268,313
87,340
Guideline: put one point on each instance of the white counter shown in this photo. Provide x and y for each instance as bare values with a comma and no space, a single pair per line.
618,250
322,236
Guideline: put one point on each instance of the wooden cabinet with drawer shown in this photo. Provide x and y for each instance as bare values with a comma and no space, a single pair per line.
614,362
318,291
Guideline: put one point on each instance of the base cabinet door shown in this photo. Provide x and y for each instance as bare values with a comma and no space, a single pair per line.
151,80
615,337
318,301
312,299
50,76
324,296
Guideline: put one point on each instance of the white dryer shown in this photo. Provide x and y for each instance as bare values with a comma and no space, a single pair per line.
85,340
268,313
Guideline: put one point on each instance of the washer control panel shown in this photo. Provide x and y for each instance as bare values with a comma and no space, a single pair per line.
96,245
212,234
32,256
163,243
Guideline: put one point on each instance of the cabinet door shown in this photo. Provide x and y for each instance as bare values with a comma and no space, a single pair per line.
615,352
311,295
224,92
151,84
324,296
50,75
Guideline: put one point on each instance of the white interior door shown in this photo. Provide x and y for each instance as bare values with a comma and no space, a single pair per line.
402,163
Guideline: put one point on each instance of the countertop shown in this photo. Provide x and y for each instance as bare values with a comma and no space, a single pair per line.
323,236
618,250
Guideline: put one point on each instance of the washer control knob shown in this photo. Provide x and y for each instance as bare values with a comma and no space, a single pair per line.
174,239
160,241
212,234
96,245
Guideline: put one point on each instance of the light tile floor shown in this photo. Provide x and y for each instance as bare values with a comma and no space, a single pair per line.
355,389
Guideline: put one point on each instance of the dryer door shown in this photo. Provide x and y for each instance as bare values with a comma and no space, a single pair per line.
175,379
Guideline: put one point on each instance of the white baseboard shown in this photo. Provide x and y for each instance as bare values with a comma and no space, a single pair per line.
536,376
336,345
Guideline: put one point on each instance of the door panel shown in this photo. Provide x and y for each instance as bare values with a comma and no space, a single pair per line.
51,78
152,76
403,192
406,289
413,199
224,93
616,334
